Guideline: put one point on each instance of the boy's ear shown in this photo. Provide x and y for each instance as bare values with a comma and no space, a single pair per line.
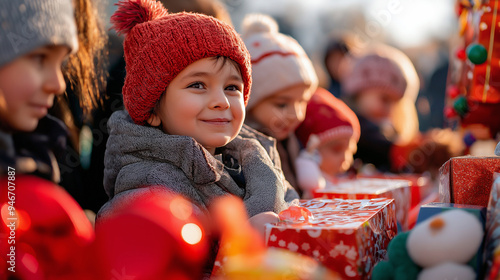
154,120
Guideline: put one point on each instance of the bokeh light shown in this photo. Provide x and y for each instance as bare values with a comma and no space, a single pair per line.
191,233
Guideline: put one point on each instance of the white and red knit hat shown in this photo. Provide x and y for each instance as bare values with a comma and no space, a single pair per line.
327,118
374,71
278,61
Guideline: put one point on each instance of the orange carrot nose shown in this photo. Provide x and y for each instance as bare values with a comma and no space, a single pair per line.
437,224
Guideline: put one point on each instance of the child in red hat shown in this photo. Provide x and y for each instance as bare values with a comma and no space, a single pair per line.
329,133
188,81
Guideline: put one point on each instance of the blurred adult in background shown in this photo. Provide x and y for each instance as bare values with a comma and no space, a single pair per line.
336,61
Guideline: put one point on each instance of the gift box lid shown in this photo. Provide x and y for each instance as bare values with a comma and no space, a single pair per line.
430,209
336,213
366,186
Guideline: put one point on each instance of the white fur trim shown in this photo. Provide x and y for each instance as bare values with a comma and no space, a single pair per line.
329,135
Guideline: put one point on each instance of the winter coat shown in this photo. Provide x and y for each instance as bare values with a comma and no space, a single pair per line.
140,156
35,152
373,146
288,150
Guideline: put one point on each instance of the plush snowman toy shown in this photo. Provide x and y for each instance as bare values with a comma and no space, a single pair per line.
443,244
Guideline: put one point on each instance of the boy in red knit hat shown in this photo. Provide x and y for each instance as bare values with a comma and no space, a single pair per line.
329,134
188,81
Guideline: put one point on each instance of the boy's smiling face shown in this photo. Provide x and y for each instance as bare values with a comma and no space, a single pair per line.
28,85
205,101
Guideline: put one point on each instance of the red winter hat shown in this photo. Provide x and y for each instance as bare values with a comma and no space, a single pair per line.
159,45
374,71
327,118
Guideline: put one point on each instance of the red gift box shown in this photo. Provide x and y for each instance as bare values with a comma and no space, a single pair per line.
467,179
347,236
369,188
420,184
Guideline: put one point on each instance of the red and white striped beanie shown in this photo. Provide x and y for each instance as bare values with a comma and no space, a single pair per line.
278,61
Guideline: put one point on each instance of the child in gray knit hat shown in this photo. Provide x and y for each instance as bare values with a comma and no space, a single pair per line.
35,39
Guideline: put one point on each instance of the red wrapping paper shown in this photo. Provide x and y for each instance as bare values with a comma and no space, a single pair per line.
467,179
369,188
420,184
347,236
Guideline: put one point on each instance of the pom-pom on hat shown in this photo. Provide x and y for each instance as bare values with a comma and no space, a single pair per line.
159,45
278,61
374,71
327,118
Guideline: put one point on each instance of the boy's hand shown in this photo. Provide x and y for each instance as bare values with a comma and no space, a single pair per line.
260,220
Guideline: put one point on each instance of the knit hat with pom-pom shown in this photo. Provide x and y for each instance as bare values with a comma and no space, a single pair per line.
327,118
278,61
159,45
374,71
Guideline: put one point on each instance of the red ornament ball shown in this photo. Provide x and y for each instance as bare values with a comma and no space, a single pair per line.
450,112
452,91
460,54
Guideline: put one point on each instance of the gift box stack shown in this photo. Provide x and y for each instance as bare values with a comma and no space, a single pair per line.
420,184
368,188
347,236
467,183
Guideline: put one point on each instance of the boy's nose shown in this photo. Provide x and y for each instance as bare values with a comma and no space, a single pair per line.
54,81
219,100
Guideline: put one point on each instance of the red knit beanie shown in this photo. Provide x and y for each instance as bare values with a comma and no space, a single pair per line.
159,45
327,118
374,71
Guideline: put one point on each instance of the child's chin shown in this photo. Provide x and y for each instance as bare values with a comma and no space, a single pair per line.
26,125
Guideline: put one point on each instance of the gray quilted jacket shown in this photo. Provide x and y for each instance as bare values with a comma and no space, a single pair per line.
139,157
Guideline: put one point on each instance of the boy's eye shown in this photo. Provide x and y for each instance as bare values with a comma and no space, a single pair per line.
233,88
196,85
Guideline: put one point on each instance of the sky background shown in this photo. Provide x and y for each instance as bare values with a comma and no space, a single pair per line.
418,27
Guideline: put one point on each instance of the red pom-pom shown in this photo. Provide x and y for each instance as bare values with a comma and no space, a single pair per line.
132,12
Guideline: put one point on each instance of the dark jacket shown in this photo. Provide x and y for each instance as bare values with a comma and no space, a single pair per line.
34,152
373,146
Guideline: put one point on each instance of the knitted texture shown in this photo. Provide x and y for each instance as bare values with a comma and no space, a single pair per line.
159,45
327,118
26,25
278,61
374,71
